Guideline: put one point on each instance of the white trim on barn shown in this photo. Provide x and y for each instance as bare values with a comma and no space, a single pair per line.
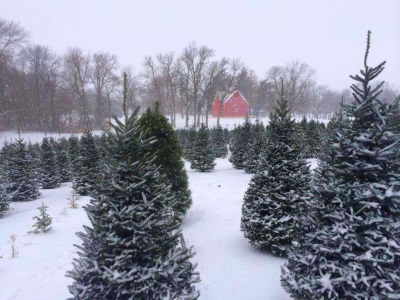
228,96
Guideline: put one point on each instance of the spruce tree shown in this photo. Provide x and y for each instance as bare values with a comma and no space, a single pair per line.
203,156
240,145
73,154
88,168
34,155
133,248
62,160
190,143
313,139
49,171
4,199
169,154
354,252
43,221
22,185
252,158
275,200
219,142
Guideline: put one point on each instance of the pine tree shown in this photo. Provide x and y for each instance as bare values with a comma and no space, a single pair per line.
133,249
203,156
240,144
354,250
43,221
252,158
49,171
4,199
313,139
21,183
190,143
275,200
219,143
88,165
73,154
168,155
34,156
62,160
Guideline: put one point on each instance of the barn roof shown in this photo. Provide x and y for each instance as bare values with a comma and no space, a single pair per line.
229,95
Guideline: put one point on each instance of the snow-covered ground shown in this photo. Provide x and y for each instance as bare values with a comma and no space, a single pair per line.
229,267
229,123
39,268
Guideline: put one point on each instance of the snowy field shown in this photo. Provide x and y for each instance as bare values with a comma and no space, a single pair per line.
229,267
229,123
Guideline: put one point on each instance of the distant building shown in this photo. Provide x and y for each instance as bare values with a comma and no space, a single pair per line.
233,104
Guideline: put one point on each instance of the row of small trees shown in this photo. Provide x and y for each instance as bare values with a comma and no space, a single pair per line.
339,229
249,141
27,167
139,188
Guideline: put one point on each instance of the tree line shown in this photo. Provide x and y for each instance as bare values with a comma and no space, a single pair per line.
41,90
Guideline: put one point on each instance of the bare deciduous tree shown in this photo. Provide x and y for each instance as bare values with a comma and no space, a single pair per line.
103,77
194,60
77,73
12,36
297,78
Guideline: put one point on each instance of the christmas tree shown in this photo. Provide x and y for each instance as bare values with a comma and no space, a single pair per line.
219,143
202,156
62,160
168,153
252,157
49,171
241,144
190,143
22,185
73,155
43,221
88,168
354,250
133,249
275,200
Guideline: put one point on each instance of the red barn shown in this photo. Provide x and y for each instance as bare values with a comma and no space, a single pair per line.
233,104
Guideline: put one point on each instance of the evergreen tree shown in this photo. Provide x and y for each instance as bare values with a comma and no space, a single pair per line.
73,154
203,156
168,155
252,159
43,221
34,155
88,165
190,143
354,252
49,171
62,159
275,200
133,249
240,144
219,142
313,139
4,200
21,183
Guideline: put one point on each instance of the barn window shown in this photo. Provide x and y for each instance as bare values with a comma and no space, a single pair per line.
236,109
230,100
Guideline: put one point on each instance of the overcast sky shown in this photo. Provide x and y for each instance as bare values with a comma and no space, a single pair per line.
328,35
